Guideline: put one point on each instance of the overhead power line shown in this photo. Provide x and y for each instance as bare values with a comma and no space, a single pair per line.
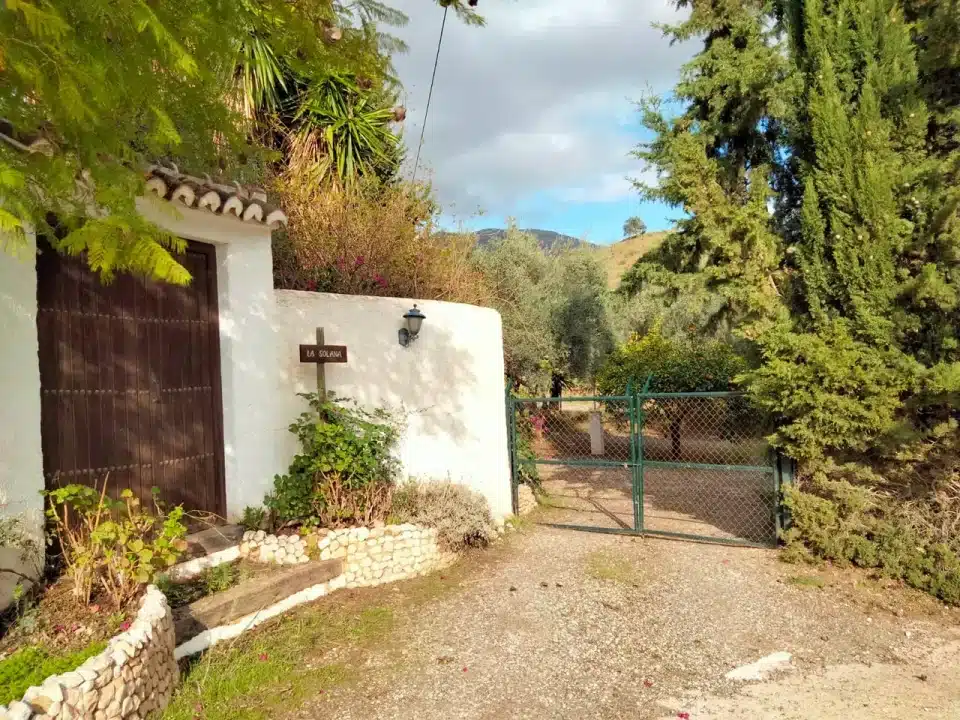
433,79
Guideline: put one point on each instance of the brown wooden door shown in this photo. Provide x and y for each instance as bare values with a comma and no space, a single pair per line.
130,381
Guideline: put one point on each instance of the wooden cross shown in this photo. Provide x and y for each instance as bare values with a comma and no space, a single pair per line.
321,355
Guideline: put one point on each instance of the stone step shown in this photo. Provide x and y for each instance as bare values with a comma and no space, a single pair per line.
211,540
250,596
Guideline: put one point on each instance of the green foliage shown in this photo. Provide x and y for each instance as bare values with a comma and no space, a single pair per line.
114,546
528,471
210,581
345,470
103,87
32,665
850,523
553,305
674,365
829,390
94,90
634,226
817,162
341,133
461,516
254,518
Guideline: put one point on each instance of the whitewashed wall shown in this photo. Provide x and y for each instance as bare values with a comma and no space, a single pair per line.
21,462
447,387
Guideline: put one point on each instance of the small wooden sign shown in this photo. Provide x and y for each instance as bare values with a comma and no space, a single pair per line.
323,353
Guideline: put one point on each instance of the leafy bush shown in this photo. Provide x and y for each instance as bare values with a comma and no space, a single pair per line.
840,515
254,518
212,580
32,665
461,516
676,365
115,546
829,391
378,240
527,470
345,470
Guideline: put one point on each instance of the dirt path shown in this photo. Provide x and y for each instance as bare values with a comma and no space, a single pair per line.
561,624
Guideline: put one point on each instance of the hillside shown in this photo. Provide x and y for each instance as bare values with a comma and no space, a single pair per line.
618,257
615,258
548,239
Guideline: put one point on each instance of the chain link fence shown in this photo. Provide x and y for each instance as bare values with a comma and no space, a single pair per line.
686,464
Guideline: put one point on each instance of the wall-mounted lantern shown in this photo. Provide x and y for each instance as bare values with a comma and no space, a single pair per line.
414,320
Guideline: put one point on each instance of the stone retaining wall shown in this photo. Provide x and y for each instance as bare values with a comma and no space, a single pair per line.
134,676
371,556
385,554
280,549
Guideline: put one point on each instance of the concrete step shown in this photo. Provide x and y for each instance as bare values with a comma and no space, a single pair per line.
211,540
250,596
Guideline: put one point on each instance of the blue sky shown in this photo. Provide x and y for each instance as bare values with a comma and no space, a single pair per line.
532,116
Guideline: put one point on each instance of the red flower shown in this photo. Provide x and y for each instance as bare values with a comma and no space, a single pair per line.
312,285
380,280
359,261
125,625
648,683
464,669
683,715
263,657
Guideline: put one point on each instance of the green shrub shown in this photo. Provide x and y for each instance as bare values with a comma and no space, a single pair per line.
527,470
829,391
674,365
461,516
32,665
254,518
345,470
839,518
115,546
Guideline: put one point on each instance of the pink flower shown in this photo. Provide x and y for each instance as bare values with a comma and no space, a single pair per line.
683,715
312,285
263,657
380,280
359,261
125,625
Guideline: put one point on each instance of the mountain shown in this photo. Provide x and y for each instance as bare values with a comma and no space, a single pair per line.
548,239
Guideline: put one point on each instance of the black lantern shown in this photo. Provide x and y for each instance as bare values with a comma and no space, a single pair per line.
414,320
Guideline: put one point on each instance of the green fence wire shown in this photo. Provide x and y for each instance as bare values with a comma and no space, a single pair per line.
691,465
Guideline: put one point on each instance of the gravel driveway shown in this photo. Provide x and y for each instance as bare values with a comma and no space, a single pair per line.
563,624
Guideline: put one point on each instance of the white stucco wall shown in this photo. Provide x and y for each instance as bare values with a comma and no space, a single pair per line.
447,387
21,461
248,358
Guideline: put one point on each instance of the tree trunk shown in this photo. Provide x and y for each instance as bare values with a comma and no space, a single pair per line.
675,437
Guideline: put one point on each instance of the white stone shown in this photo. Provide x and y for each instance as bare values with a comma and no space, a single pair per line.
363,533
71,679
247,535
259,535
760,669
19,711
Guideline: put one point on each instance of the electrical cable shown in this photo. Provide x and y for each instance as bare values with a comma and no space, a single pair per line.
433,79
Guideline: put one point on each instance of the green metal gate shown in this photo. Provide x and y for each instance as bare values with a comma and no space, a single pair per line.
686,465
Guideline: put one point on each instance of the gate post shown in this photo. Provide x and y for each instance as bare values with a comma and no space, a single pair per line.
512,447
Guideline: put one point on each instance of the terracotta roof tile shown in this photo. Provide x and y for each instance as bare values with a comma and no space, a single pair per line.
248,204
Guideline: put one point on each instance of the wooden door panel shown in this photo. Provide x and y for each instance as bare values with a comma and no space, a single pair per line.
130,381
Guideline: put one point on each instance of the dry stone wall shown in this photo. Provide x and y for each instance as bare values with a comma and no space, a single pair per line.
134,676
280,549
371,556
383,554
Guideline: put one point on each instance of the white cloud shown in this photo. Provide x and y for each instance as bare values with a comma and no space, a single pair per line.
538,101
